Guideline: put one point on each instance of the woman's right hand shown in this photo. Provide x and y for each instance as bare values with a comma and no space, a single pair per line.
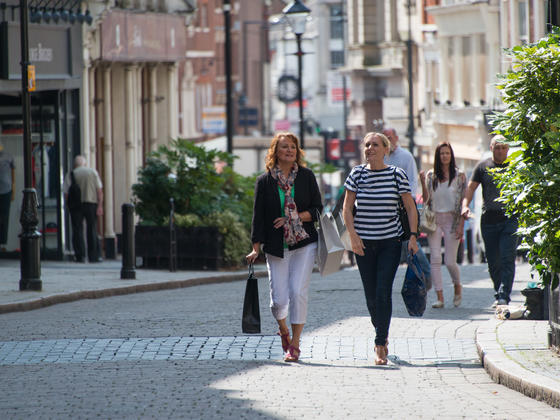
357,245
252,257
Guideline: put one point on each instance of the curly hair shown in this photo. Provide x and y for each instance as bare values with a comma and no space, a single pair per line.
271,158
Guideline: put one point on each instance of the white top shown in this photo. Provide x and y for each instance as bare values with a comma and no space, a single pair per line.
402,158
445,197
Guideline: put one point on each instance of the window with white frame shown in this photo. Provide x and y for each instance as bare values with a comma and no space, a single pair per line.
336,34
337,59
336,22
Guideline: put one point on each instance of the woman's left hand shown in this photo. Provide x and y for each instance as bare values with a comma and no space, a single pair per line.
459,233
279,222
412,245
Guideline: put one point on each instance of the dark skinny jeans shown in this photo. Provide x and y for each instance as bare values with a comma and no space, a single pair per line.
500,245
377,268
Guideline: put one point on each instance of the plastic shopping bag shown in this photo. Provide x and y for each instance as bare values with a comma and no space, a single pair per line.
414,289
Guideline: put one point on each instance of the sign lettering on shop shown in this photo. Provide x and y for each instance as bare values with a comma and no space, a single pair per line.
40,53
50,50
147,37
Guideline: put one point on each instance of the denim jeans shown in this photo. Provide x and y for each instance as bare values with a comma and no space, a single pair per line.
378,267
500,244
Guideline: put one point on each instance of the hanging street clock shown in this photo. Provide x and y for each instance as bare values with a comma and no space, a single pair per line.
288,88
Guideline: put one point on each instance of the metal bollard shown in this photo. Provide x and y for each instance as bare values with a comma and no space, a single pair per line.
172,238
128,254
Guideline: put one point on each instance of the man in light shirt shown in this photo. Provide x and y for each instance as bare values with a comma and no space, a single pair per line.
403,159
92,207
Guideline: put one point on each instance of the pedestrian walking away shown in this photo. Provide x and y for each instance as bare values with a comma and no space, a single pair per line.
498,230
287,203
444,188
91,207
375,230
7,193
403,159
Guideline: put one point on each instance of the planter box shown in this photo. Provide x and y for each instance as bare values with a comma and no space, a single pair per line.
198,248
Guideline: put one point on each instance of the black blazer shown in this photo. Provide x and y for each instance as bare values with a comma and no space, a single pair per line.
267,208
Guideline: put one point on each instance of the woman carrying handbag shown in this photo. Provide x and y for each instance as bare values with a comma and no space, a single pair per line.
375,231
443,188
287,202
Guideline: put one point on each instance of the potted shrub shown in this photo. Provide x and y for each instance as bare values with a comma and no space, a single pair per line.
531,185
213,207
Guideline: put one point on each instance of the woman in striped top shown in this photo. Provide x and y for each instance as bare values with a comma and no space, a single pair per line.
375,230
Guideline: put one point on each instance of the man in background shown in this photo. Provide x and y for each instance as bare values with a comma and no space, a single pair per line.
92,206
403,159
7,193
498,230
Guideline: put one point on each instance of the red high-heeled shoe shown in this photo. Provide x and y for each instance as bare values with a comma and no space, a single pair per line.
293,354
286,341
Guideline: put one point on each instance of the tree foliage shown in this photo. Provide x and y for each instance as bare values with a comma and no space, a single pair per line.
531,122
205,190
200,181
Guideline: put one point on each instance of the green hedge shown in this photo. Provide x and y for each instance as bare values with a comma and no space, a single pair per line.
205,189
531,122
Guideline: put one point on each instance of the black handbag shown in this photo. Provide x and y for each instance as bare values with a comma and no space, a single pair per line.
251,320
414,287
403,215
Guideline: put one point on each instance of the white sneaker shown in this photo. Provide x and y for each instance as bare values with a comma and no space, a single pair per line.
438,304
499,302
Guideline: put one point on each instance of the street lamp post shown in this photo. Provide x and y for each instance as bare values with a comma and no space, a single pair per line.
296,13
30,263
227,57
411,145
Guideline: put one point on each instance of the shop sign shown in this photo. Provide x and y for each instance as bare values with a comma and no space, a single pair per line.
214,120
335,89
282,125
50,51
142,37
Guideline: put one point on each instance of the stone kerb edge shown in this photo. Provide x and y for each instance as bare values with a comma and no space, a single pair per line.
505,371
43,302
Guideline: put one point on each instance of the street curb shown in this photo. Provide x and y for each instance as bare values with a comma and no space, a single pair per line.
43,302
507,372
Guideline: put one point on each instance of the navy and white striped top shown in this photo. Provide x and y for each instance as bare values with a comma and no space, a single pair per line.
377,198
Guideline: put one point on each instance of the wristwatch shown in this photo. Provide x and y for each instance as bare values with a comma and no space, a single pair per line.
414,233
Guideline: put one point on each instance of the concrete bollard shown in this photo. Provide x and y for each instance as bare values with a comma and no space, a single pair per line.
128,254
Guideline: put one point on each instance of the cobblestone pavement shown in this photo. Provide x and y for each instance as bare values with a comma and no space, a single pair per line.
181,354
405,350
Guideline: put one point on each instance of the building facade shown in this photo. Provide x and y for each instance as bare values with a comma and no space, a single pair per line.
55,51
466,56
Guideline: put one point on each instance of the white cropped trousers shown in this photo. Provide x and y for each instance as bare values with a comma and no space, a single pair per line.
289,279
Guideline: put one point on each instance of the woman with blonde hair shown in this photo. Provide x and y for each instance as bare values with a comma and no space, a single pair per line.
375,230
287,203
444,188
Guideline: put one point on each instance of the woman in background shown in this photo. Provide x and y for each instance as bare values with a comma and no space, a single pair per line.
445,185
